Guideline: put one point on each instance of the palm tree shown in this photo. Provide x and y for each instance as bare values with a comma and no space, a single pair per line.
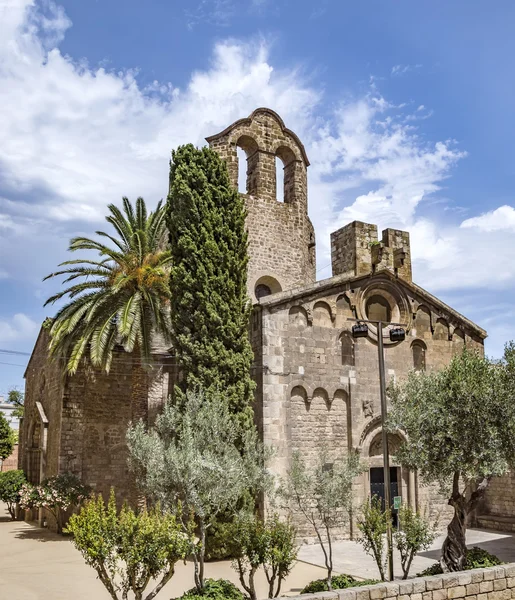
121,299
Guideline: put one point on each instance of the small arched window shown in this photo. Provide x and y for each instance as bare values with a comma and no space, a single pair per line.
262,290
248,159
265,286
419,349
285,174
279,179
242,170
347,348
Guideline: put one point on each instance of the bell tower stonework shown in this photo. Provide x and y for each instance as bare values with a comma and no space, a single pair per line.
281,235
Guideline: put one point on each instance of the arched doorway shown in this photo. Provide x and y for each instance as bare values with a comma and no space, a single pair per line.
402,479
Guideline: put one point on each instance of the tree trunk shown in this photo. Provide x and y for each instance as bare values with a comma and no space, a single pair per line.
454,549
139,410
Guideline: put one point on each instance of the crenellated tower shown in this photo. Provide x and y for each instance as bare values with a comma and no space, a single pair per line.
281,235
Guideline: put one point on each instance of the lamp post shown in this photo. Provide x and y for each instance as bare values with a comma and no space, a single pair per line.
397,334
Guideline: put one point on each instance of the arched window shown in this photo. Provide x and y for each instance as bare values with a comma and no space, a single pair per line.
248,159
265,286
347,344
285,174
419,349
279,179
242,170
262,290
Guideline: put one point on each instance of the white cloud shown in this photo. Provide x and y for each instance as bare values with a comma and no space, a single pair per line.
18,328
80,137
398,70
502,218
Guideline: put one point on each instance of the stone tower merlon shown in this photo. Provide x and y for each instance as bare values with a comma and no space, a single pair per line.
356,251
281,235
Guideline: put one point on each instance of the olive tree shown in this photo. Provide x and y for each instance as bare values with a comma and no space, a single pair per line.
194,456
256,543
322,495
415,534
460,429
373,524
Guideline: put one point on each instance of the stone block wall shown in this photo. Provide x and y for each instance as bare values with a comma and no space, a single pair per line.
495,583
321,387
96,414
356,251
351,249
500,496
44,383
281,235
497,511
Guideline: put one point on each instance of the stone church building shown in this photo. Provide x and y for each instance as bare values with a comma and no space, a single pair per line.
316,386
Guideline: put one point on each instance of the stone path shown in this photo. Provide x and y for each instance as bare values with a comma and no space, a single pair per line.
351,559
39,565
36,564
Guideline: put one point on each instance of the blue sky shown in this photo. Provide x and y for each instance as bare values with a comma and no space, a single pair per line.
405,109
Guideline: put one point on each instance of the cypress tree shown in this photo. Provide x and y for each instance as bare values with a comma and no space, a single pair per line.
210,307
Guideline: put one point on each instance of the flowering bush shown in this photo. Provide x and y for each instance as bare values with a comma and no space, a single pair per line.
56,494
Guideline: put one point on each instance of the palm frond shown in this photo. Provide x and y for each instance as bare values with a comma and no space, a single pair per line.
122,297
141,214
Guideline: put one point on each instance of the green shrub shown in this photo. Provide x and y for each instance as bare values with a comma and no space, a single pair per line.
215,589
434,569
11,483
255,543
477,558
339,582
128,550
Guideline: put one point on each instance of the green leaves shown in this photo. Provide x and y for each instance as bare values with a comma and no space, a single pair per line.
208,281
256,543
322,494
11,483
415,534
373,524
123,298
190,456
128,549
458,420
7,438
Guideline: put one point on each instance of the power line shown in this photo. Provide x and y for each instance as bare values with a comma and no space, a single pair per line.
12,364
164,362
322,268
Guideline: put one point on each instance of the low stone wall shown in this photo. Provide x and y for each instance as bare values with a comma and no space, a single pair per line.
495,583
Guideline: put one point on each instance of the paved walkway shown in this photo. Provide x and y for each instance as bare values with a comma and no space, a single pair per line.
351,559
36,564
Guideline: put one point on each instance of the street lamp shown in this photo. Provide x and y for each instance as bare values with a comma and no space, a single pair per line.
397,334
